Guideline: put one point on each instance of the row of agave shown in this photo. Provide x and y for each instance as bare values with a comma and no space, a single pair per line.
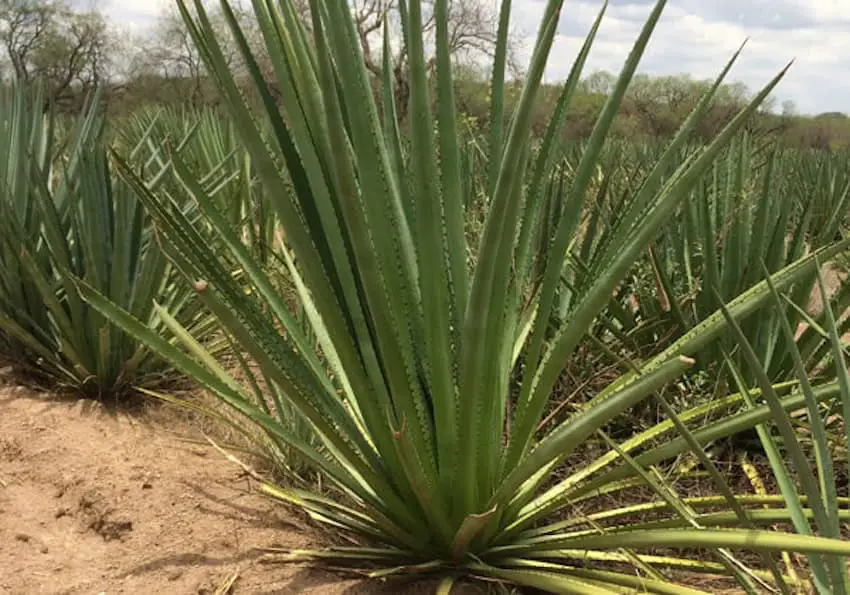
403,336
754,213
66,215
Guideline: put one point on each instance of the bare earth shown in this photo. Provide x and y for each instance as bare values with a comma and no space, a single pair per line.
98,502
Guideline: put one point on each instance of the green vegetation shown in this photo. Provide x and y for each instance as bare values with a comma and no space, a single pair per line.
65,215
505,351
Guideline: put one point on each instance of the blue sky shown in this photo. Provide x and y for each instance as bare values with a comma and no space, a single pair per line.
694,36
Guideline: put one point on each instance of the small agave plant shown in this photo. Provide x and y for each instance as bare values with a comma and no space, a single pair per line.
424,377
64,215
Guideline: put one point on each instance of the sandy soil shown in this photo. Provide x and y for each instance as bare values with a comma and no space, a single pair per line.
93,501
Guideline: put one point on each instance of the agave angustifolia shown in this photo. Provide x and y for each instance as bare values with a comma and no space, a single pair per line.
27,144
428,377
64,214
208,143
748,210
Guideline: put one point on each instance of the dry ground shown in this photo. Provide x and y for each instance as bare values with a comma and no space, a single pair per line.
93,501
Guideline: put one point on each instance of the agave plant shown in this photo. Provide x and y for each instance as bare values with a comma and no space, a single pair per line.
748,209
812,467
822,183
209,145
27,136
65,215
428,376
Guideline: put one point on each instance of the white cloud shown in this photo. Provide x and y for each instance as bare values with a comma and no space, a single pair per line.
698,37
132,13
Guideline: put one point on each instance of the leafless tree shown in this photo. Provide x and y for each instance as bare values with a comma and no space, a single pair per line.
170,52
24,25
76,55
68,51
472,25
472,28
472,32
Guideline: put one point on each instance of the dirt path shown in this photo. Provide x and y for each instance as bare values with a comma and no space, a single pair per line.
95,502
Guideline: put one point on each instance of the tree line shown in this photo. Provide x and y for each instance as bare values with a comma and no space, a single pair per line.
71,51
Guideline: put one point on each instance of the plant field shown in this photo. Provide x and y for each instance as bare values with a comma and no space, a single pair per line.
445,353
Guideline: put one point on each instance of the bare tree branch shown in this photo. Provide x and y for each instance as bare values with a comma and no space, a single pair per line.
45,40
